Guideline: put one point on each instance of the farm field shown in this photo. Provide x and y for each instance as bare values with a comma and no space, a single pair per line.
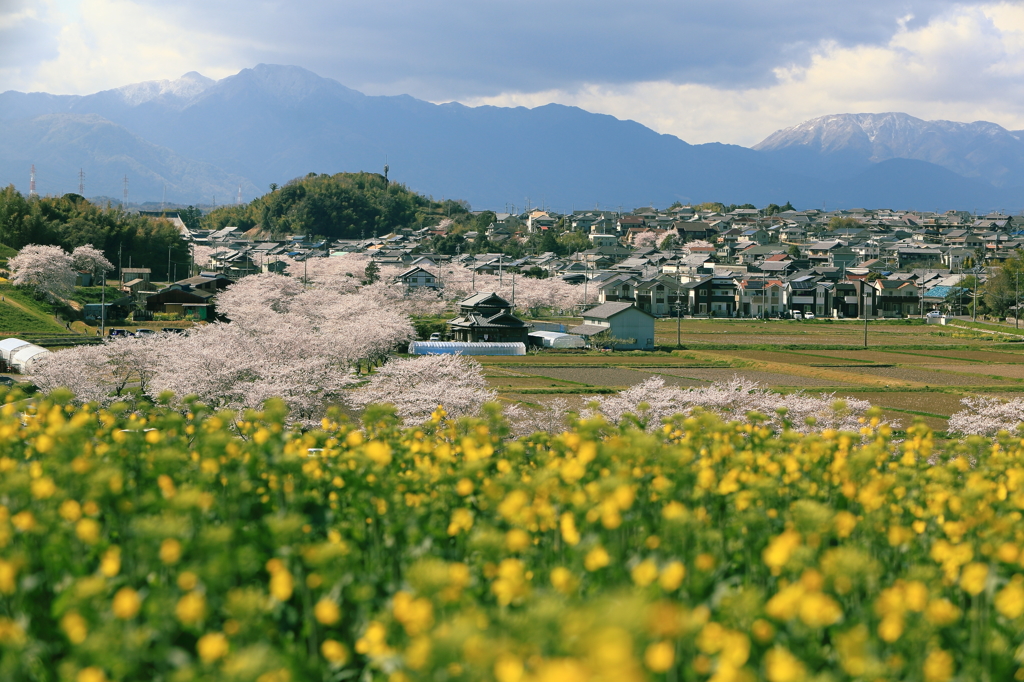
910,370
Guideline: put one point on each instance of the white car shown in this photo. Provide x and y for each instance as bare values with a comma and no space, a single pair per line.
436,336
808,316
934,313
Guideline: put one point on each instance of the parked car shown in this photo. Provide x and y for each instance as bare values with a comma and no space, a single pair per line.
934,313
436,336
808,316
120,332
144,332
174,330
797,315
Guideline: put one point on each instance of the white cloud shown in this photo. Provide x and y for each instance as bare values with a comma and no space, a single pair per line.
109,43
964,65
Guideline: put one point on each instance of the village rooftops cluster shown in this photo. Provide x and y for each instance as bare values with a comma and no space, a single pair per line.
689,261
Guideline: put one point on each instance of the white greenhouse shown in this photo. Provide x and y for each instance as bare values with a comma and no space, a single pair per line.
465,348
557,340
19,356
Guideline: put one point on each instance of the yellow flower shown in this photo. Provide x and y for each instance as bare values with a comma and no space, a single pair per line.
170,551
782,666
508,668
281,585
191,608
212,646
91,674
110,564
510,583
562,580
845,523
24,521
567,523
779,550
88,531
818,610
659,657
596,558
644,573
464,487
75,627
517,540
762,630
672,576
974,577
941,612
704,562
1010,600
938,666
70,510
127,603
891,627
334,652
187,581
327,612
8,577
43,488
462,519
786,603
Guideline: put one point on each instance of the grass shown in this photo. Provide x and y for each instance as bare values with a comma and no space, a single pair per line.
903,357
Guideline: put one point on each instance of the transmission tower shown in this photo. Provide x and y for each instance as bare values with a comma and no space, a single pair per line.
81,182
239,200
125,202
32,181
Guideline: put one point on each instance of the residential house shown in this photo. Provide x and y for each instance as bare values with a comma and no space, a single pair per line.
487,317
623,321
418,277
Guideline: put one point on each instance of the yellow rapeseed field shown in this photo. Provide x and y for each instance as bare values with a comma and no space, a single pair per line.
200,546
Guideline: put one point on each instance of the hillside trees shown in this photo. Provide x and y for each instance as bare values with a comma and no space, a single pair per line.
70,222
341,206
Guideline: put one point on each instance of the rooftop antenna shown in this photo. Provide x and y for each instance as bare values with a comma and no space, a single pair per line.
124,202
81,182
32,181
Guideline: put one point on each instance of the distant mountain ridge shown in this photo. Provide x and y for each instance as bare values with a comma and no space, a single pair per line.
975,150
268,124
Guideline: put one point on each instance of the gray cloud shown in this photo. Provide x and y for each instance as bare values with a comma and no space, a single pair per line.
28,34
452,49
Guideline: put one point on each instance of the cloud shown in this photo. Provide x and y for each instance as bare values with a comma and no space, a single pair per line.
964,64
455,49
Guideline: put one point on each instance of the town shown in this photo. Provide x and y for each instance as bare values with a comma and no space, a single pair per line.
682,261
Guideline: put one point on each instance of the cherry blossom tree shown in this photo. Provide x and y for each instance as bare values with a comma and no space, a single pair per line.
643,240
80,369
651,401
104,372
416,386
47,269
985,416
90,259
201,255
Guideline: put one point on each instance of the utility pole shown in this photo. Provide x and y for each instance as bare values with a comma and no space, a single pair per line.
1016,300
679,314
103,303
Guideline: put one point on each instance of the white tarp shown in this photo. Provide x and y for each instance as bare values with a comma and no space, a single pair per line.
558,340
464,348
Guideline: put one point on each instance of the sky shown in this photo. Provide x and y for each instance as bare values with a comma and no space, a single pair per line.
728,71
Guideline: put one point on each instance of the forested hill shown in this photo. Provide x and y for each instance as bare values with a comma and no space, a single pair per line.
71,221
341,206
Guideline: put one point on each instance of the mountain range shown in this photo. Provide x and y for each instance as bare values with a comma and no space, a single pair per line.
194,139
